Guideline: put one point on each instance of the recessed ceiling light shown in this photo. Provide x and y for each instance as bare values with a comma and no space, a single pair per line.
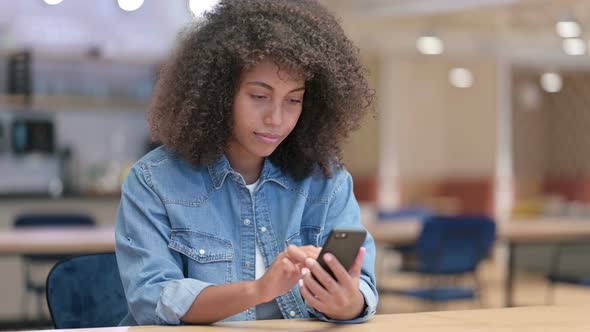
130,5
429,45
568,28
52,2
198,7
551,82
574,46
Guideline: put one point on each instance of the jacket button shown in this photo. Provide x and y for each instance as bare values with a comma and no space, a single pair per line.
201,252
263,229
292,313
246,222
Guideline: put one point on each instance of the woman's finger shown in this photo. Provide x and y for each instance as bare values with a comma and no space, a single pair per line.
355,269
311,299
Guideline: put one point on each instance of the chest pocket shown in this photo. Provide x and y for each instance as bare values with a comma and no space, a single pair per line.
205,257
307,235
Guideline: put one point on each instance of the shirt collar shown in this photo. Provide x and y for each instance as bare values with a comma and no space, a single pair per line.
221,168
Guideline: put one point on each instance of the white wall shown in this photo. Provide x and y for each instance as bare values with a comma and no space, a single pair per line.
434,129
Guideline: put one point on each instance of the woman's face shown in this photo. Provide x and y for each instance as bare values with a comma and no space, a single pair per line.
266,107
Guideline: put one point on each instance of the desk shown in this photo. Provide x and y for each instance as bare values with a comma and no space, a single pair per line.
546,319
399,232
56,240
538,231
515,232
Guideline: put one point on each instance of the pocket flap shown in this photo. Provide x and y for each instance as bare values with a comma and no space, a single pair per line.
202,247
294,239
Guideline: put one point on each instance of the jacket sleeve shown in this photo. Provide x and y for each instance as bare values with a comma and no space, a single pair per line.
344,211
156,290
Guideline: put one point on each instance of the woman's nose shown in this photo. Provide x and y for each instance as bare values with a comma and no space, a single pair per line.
275,116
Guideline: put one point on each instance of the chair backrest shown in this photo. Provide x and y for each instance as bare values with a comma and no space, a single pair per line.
49,220
453,245
418,212
86,291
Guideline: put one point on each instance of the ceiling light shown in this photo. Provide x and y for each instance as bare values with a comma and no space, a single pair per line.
574,46
461,78
198,7
130,5
551,82
430,45
52,2
568,28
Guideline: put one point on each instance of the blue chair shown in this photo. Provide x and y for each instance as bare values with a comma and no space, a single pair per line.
401,215
30,261
85,292
449,246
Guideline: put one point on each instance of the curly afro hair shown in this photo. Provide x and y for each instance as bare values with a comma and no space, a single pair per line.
192,104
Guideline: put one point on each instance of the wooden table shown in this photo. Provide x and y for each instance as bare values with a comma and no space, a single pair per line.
102,239
546,319
514,233
540,230
57,240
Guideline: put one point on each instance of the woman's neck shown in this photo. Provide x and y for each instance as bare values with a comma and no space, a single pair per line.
246,164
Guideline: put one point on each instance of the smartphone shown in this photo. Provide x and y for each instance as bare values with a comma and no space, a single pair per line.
344,244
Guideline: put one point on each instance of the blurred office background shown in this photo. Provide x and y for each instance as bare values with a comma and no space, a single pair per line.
482,108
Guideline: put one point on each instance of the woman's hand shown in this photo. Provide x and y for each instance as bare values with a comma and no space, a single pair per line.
298,255
285,271
338,298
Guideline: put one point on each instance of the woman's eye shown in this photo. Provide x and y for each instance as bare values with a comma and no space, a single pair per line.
295,101
258,97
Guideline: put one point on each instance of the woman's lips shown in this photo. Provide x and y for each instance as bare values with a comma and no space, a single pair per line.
268,138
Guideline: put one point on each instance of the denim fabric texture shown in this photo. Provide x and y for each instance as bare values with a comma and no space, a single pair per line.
182,228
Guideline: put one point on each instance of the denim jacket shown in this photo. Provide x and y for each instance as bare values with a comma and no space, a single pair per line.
182,228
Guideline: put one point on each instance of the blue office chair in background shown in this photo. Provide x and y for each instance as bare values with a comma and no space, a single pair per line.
31,261
85,292
449,246
400,215
409,212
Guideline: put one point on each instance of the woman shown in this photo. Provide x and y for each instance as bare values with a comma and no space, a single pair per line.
225,220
